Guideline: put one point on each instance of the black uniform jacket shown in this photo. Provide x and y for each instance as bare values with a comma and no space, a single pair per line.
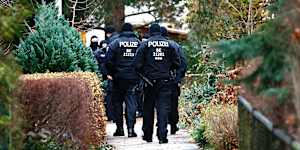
121,55
156,57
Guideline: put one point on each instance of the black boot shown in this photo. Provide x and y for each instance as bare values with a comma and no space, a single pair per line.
131,132
163,141
147,139
139,114
119,132
174,129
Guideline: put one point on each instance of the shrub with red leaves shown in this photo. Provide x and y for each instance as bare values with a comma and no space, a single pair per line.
66,107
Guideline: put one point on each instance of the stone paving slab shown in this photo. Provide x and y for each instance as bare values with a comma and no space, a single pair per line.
180,141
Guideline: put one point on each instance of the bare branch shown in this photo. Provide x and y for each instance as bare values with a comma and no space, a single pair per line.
6,3
88,6
92,13
139,13
7,50
239,12
78,2
29,28
74,12
250,19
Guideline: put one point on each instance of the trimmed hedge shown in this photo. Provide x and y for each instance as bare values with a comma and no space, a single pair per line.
69,105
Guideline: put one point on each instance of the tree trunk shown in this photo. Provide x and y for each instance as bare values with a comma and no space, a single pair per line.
116,16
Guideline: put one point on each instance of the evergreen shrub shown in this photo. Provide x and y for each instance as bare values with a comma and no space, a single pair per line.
53,46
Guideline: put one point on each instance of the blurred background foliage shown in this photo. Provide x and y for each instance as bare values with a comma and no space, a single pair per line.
210,22
12,16
10,121
269,46
112,12
274,48
213,20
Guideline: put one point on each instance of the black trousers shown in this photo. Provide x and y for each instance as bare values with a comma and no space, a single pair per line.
140,96
174,114
123,91
140,101
108,101
158,97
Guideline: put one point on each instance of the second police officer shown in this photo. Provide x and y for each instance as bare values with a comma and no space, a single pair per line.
110,35
121,54
156,57
177,76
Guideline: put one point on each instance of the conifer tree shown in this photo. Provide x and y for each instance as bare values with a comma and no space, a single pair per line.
54,46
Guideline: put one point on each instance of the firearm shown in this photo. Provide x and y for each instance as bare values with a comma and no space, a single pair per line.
145,79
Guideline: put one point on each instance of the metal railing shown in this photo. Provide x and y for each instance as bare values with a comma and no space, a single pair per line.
256,132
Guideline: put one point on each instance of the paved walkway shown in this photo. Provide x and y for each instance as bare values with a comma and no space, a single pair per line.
180,141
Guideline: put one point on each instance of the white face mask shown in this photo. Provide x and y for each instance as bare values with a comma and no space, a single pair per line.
94,39
104,45
108,34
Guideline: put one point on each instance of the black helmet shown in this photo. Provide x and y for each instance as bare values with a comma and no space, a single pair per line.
110,29
164,31
155,28
127,27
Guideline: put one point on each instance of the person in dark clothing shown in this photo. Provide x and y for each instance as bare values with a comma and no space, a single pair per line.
140,88
177,76
110,35
121,54
100,55
145,37
156,57
140,98
94,43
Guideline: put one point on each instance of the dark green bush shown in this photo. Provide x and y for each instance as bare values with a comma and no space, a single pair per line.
198,135
32,144
10,122
54,46
12,18
200,93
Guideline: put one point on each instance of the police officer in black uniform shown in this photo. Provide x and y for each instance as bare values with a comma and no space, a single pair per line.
140,89
177,77
156,57
121,54
110,35
101,56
